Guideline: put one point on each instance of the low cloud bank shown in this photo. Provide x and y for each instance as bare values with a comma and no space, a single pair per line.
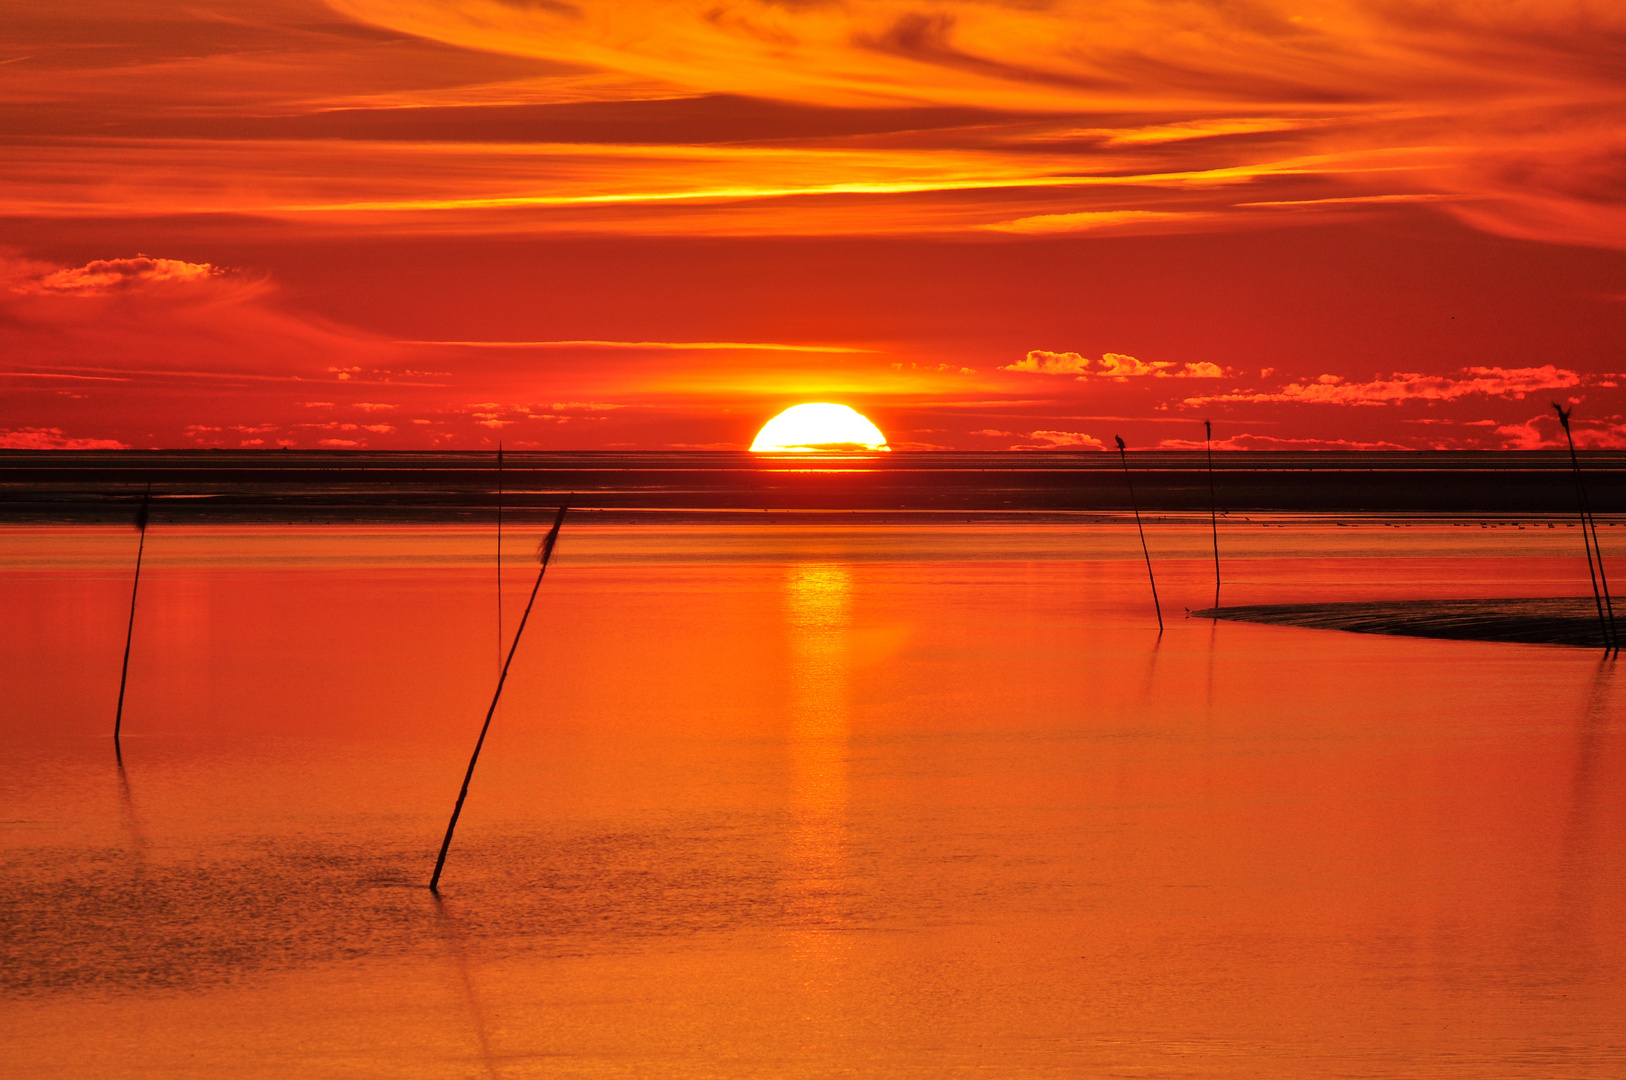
1119,366
1410,386
101,276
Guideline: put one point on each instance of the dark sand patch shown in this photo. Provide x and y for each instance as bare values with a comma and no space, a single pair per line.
1563,620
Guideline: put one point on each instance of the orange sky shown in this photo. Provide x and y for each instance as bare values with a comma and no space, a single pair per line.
984,223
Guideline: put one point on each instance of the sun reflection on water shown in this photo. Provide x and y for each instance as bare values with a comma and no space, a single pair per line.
818,618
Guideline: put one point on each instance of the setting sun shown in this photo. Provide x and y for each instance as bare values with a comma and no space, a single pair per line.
818,426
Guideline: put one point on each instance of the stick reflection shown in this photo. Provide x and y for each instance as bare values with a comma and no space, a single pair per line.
1577,855
457,948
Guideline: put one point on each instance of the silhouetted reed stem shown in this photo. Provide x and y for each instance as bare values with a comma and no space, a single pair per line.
451,826
1144,549
1213,506
129,631
1589,537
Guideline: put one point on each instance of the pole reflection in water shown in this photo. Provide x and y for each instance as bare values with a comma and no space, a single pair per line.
1577,853
458,950
817,620
138,840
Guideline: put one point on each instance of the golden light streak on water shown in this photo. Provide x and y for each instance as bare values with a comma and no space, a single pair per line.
817,616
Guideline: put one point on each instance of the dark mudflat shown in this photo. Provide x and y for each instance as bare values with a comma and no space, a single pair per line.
381,486
1560,620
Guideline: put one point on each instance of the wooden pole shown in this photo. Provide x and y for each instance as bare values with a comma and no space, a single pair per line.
1589,538
1603,580
499,558
545,553
1144,549
129,631
1213,507
1597,550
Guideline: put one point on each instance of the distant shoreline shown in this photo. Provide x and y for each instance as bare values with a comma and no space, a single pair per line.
413,487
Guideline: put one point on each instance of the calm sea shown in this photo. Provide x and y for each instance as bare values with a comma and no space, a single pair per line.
802,800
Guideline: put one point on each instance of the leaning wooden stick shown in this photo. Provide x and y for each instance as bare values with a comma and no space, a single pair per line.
129,631
545,553
1122,453
1213,507
1589,537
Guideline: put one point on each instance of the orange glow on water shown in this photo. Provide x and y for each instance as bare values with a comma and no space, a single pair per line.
903,799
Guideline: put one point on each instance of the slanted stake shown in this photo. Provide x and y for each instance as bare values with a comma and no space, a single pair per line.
545,553
129,631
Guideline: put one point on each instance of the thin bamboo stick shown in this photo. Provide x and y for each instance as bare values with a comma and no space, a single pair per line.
545,553
129,631
1213,507
1122,453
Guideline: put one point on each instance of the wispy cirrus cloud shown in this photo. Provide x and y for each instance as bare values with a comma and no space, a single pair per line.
1116,117
956,181
152,317
1099,221
1059,56
650,346
1506,113
146,343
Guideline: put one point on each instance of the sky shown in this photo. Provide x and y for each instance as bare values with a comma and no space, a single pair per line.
654,224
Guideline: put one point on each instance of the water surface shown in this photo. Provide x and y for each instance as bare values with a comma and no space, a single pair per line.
803,802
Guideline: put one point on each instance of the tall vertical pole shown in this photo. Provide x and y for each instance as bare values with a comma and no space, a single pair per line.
1603,580
1213,506
1589,535
545,554
499,558
1144,549
129,631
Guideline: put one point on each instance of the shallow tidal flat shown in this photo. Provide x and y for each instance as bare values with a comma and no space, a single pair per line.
808,799
380,487
1577,621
